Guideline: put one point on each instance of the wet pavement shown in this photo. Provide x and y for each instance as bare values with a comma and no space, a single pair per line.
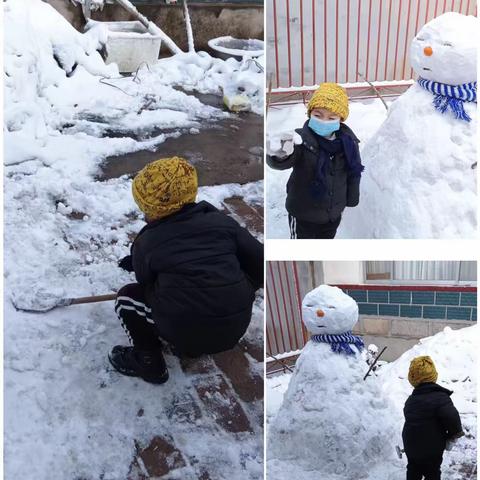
226,151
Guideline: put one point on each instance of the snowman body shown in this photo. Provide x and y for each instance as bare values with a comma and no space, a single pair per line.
331,420
420,166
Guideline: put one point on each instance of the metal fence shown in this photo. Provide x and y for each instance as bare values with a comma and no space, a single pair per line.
346,41
286,285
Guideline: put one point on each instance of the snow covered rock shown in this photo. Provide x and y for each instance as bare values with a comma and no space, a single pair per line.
331,420
420,170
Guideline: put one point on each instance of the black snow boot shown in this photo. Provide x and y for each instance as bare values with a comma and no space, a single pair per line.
146,364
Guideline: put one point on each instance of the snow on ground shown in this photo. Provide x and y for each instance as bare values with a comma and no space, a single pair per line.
67,415
455,355
364,119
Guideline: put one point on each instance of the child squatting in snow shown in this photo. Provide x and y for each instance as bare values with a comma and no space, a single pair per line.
431,421
326,166
197,271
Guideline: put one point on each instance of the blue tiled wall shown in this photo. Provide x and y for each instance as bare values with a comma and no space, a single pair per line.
431,304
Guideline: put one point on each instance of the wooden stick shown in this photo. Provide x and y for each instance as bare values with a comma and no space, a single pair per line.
375,89
93,299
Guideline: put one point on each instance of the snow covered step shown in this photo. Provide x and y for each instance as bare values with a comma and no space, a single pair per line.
250,215
159,458
221,404
235,365
193,366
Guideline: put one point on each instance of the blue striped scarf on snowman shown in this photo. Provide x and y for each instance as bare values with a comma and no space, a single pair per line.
451,96
341,343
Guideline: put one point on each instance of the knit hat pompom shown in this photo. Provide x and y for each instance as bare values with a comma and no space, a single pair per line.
422,370
331,96
165,186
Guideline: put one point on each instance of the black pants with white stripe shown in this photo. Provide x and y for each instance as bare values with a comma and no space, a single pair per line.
135,316
305,230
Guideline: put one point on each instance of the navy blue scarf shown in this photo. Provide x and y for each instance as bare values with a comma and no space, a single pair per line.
341,343
342,143
451,96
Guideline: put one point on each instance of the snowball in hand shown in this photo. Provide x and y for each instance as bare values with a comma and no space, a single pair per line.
445,49
328,310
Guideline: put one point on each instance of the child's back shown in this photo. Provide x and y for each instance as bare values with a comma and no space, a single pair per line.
202,270
430,419
197,271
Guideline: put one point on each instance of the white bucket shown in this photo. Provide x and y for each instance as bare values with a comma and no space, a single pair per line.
226,47
130,45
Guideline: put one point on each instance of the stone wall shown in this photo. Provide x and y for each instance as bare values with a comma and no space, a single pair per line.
208,21
400,334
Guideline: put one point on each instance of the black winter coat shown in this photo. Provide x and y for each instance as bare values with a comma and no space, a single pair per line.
342,190
430,420
200,270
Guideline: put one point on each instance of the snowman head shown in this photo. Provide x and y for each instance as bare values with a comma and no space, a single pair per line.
328,310
445,49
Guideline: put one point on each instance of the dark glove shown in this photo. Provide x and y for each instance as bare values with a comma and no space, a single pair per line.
126,263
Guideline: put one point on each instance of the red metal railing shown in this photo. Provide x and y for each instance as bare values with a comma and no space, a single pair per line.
285,330
320,32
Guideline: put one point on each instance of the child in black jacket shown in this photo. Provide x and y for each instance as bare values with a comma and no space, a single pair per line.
326,166
197,271
431,420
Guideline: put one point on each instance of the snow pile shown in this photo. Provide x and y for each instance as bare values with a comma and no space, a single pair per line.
433,192
206,74
455,355
56,84
331,420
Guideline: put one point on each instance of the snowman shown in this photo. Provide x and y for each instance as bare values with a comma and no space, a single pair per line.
420,165
331,421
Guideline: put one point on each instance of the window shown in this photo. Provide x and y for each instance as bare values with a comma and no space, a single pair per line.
438,272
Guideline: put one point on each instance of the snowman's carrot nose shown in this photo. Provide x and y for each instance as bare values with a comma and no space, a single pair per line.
320,313
428,51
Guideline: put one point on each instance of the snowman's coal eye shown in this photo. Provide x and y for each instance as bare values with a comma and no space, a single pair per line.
420,39
331,306
447,44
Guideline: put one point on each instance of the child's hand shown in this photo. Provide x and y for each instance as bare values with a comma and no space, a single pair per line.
281,146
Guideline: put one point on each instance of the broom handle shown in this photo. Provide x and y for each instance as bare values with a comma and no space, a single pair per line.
93,299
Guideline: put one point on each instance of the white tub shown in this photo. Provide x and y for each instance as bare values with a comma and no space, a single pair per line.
130,45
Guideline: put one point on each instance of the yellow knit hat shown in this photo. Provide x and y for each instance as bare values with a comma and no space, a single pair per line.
164,186
331,96
422,370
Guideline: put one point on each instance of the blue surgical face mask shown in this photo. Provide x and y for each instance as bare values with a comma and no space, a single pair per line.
324,128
